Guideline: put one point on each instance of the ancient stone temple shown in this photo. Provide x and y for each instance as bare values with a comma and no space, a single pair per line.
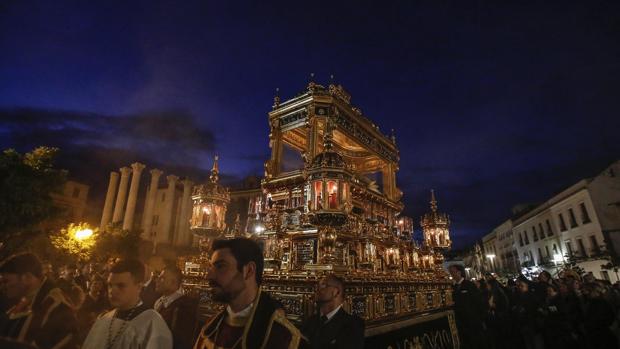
330,204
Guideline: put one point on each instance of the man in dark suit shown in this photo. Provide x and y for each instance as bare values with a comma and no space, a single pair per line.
468,309
333,327
178,310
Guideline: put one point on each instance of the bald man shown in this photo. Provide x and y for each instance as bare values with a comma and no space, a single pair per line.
332,327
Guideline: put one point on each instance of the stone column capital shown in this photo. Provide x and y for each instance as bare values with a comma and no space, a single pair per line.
187,183
113,174
156,172
137,167
125,171
172,179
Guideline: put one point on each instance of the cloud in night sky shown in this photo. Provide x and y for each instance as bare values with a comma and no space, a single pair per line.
494,103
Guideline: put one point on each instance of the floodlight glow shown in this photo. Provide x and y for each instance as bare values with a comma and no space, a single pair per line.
83,234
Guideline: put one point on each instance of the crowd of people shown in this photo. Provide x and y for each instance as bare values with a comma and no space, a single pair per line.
569,311
121,305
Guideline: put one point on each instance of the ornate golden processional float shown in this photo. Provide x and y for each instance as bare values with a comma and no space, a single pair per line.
329,204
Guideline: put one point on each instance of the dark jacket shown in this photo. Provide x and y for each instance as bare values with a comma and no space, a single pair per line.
149,295
343,330
468,314
181,318
49,322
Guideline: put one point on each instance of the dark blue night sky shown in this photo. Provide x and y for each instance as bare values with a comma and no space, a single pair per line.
493,103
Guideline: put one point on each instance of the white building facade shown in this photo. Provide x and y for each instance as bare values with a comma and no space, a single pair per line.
572,226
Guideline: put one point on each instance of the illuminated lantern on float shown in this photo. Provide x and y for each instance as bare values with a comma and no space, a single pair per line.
436,231
210,202
329,203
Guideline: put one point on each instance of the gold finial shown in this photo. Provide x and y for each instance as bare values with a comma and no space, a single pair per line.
393,137
215,171
433,201
311,84
276,99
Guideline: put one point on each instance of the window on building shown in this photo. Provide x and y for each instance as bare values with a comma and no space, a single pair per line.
527,240
569,248
573,221
520,240
76,192
155,219
585,217
547,250
540,256
555,249
596,249
534,234
582,248
605,275
562,223
541,232
549,229
532,257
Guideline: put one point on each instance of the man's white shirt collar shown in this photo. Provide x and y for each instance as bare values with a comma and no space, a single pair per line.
240,314
331,314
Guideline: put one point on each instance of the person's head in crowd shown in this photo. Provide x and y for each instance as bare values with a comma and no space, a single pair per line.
552,291
21,275
593,291
573,285
330,291
523,285
563,289
544,276
96,286
512,284
589,278
48,271
236,271
67,272
125,283
457,272
169,280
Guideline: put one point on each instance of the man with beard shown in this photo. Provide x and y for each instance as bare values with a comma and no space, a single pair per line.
131,324
251,319
333,327
177,309
41,315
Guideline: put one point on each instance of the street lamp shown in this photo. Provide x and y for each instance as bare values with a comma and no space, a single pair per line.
83,234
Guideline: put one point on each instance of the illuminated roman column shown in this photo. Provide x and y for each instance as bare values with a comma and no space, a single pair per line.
122,195
149,206
133,195
169,206
109,200
184,235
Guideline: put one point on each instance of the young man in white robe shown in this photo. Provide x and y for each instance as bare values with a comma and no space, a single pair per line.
131,324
